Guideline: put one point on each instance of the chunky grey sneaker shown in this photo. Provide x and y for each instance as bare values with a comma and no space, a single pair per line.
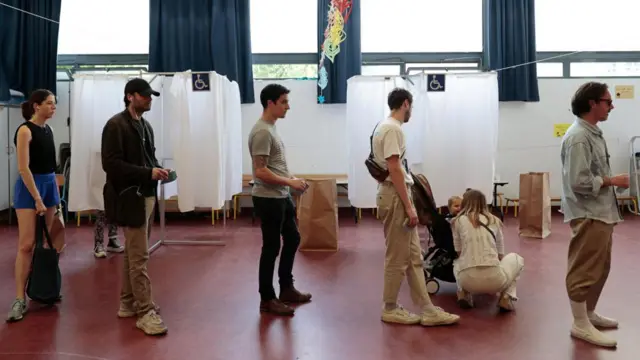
18,309
151,323
98,250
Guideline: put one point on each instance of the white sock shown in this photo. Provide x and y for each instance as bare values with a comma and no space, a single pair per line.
580,316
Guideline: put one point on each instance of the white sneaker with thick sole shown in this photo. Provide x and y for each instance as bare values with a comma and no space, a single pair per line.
400,316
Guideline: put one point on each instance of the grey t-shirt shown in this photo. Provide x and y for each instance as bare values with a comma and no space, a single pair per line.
265,141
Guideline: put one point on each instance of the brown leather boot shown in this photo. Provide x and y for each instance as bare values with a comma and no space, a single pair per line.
292,296
276,307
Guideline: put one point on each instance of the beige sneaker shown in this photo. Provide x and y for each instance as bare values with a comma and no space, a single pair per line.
151,323
438,317
590,334
506,303
602,322
400,316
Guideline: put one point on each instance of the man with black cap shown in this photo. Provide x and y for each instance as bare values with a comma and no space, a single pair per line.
128,159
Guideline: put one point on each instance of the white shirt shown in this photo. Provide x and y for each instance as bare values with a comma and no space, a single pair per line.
389,140
476,245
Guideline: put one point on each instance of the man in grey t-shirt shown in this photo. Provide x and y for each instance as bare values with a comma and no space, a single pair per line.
272,201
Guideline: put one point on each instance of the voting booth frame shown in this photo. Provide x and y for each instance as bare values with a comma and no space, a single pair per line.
163,241
163,206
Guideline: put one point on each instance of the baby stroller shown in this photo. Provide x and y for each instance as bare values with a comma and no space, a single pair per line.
438,260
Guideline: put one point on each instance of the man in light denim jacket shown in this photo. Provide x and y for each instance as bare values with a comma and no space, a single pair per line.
590,207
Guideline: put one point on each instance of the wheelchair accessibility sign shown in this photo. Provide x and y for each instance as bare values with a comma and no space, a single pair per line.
200,82
436,82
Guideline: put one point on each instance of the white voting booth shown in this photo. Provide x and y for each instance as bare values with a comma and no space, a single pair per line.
197,128
452,136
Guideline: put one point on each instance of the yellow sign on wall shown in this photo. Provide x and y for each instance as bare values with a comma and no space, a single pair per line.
624,91
560,129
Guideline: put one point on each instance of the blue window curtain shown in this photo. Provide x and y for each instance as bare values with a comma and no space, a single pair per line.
28,46
509,37
203,35
348,61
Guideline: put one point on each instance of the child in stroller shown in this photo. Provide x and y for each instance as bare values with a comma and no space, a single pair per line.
438,260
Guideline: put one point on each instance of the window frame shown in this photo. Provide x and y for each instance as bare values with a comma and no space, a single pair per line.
404,60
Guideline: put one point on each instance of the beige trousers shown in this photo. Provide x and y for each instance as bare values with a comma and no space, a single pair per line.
136,285
589,260
492,279
403,252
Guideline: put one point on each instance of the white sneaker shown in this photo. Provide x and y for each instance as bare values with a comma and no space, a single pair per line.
438,317
400,316
602,322
590,334
583,329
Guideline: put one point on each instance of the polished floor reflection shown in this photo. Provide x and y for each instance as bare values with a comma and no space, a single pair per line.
209,300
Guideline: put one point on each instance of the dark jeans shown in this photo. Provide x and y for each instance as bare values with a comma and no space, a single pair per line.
277,218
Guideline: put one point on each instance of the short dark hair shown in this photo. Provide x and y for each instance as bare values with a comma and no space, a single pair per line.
37,97
591,91
397,97
272,92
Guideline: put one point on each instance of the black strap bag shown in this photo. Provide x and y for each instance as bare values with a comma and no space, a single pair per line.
45,280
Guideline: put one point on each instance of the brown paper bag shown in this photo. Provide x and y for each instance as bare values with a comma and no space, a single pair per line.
318,216
535,205
57,231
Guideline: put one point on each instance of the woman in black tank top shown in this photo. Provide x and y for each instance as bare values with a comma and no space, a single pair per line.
36,191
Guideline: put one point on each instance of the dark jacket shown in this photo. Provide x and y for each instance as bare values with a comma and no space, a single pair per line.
128,176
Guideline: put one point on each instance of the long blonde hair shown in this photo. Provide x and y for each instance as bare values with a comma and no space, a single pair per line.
474,204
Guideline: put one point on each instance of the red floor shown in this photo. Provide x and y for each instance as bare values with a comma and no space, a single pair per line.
209,301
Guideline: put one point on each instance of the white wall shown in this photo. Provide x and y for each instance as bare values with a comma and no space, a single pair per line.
316,140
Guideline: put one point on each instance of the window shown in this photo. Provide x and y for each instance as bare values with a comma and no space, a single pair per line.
586,25
613,69
285,71
284,26
381,70
417,68
117,27
546,69
421,26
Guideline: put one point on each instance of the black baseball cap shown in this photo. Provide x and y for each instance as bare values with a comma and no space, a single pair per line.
140,86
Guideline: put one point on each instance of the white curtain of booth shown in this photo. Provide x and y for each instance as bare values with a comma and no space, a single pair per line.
452,136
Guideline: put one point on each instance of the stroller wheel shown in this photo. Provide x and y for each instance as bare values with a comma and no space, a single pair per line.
432,286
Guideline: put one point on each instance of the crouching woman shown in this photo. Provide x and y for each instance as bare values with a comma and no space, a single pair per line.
481,266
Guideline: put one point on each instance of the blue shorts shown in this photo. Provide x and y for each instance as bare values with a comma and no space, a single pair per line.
47,187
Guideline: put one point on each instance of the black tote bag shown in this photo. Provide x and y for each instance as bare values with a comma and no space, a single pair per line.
45,279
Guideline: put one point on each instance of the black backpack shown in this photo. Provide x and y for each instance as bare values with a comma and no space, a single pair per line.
45,279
